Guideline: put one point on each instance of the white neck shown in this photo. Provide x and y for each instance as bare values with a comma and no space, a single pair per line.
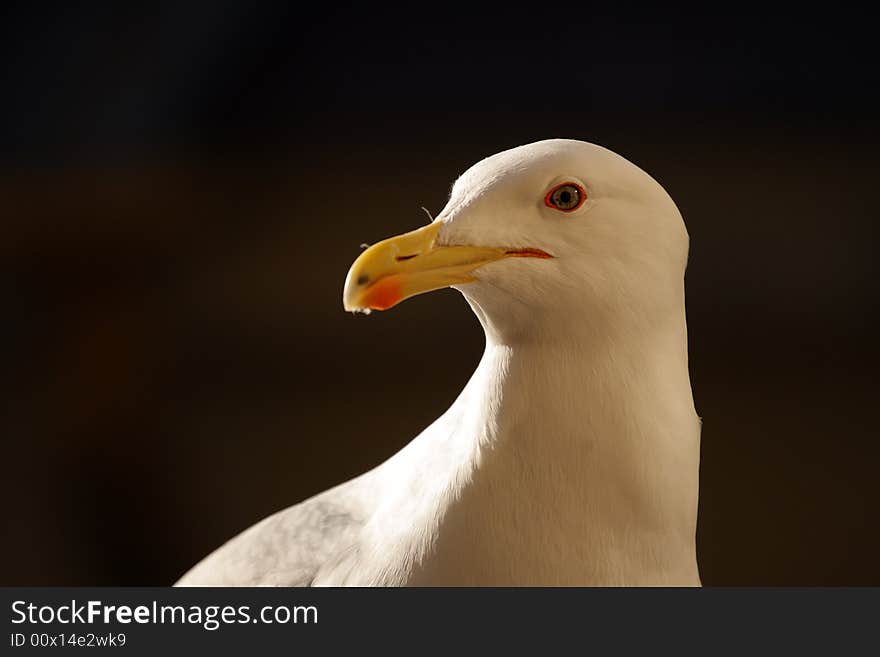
572,462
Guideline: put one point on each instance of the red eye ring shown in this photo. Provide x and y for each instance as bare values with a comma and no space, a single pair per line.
556,197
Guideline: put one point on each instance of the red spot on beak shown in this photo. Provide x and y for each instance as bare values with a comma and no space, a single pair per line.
383,294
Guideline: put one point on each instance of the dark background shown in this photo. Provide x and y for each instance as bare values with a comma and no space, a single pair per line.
183,188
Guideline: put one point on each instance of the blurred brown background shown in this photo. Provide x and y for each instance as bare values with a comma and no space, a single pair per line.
182,190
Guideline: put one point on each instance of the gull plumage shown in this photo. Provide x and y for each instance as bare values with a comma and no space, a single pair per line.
571,456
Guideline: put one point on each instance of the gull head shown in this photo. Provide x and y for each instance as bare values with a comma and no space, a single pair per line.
559,233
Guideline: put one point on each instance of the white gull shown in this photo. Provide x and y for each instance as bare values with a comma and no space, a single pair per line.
571,457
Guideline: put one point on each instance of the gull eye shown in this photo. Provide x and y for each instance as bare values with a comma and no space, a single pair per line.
567,197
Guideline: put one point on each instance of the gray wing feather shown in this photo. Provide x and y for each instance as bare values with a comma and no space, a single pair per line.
289,547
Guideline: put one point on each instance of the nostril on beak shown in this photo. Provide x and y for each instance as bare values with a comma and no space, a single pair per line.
363,279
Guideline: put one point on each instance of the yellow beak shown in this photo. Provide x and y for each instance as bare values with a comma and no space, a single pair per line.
404,266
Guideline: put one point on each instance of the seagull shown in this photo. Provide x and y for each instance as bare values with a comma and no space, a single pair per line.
571,456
